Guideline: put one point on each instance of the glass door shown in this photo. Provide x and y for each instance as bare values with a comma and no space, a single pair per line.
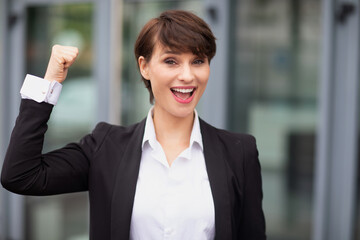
273,95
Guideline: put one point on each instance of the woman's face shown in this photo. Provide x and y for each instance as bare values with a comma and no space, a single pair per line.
178,79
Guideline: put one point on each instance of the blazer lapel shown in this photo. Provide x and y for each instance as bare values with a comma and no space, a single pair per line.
216,169
125,186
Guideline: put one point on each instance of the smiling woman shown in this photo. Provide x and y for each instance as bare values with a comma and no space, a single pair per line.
171,175
177,80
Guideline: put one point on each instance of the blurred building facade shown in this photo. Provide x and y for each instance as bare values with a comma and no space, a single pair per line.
286,71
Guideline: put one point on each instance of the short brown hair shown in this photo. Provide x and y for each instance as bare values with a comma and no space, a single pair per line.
180,31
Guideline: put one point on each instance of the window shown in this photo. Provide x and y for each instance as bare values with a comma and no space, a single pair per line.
273,95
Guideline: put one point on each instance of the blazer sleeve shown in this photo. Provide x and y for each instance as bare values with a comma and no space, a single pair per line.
253,227
27,171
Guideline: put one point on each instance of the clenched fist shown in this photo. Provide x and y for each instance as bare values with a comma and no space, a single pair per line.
62,57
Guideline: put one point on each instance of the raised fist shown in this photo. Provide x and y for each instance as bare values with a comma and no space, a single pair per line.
62,57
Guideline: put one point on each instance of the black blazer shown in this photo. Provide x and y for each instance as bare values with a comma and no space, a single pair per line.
106,163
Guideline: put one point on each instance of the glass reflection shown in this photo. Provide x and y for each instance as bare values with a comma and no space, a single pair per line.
273,95
63,216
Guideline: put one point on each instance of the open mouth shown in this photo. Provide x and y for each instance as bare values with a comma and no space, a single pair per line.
183,95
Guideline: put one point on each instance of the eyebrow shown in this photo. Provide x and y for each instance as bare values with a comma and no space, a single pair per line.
171,52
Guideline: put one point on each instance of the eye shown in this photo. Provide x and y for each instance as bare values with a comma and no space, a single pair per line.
170,61
199,61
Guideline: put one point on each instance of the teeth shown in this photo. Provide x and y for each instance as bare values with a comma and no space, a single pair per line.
182,90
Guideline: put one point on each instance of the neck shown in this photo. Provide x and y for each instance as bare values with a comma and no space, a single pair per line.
172,129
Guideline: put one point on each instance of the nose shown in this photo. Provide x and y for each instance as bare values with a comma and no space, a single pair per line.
186,73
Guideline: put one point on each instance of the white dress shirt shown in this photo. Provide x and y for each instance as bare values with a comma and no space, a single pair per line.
172,202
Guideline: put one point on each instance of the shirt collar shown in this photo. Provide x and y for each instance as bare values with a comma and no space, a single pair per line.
196,133
150,136
149,132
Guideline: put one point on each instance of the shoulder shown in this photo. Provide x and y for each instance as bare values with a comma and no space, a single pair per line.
111,135
228,137
239,149
104,128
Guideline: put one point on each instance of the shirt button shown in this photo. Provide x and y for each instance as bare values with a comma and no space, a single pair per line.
168,231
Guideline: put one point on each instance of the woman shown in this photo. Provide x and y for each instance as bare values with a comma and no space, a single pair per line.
171,176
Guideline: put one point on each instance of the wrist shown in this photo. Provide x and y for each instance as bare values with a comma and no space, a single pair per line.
46,77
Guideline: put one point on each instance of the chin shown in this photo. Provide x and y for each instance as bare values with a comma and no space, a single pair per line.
183,112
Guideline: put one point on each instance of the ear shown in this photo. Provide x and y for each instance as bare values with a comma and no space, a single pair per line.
143,65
